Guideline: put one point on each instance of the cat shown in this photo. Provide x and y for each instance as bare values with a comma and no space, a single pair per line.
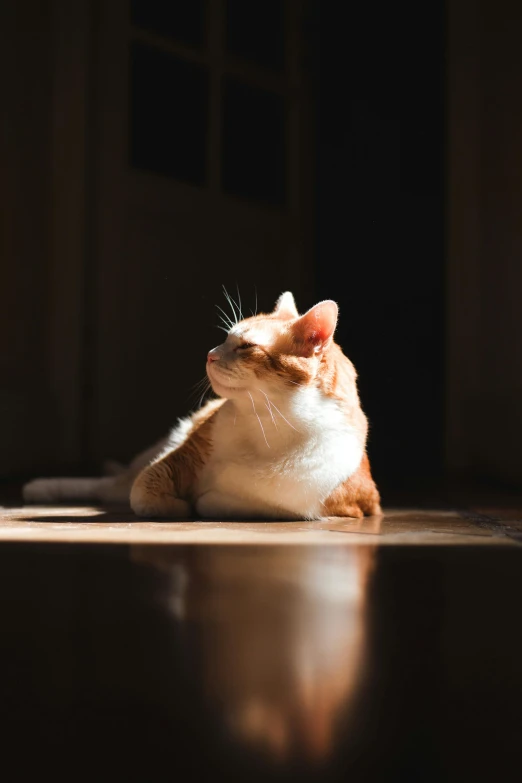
285,438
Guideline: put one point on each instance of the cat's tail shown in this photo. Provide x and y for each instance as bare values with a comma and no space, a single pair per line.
109,489
113,487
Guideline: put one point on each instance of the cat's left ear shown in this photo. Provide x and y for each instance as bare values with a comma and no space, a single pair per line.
314,330
285,306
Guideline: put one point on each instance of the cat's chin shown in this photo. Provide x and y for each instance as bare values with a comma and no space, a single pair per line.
222,390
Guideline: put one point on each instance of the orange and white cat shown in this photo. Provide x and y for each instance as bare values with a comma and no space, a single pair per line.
285,440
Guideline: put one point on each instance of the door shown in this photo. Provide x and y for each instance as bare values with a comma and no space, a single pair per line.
200,177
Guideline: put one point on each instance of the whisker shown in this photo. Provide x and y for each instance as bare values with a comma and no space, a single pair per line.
230,300
200,383
203,396
239,305
259,420
269,407
226,319
255,289
235,304
203,384
283,417
224,323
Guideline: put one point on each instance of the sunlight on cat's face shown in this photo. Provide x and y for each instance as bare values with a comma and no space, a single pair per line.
246,359
272,352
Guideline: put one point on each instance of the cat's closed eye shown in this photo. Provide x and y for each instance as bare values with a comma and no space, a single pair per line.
244,346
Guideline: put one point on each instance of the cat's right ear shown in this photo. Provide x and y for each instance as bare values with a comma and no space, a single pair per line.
285,306
314,330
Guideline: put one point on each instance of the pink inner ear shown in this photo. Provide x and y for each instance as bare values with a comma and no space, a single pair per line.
317,326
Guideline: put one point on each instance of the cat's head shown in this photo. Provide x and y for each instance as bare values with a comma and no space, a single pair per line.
273,351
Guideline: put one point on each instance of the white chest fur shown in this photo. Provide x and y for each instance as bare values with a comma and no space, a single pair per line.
281,464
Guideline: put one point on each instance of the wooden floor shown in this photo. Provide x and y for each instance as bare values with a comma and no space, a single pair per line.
386,649
475,525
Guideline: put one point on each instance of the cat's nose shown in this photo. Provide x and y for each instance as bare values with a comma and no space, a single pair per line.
212,356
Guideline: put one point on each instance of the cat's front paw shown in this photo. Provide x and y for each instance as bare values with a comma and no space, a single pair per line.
149,505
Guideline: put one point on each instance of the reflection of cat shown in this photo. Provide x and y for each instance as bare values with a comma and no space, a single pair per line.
286,440
280,634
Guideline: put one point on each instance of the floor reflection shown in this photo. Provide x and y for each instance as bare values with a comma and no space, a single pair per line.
280,636
236,663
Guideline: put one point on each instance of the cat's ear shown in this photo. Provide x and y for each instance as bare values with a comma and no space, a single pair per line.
314,330
285,306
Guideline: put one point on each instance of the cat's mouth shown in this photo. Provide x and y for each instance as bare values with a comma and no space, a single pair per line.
221,388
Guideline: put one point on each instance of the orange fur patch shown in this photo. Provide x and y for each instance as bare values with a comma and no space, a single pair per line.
357,497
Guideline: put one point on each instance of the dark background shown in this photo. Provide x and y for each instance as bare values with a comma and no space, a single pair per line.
380,114
368,153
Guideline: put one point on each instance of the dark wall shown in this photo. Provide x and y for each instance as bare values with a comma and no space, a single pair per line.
380,92
484,389
417,193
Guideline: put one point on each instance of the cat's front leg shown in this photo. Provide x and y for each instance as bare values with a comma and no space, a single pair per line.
164,488
153,494
217,504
